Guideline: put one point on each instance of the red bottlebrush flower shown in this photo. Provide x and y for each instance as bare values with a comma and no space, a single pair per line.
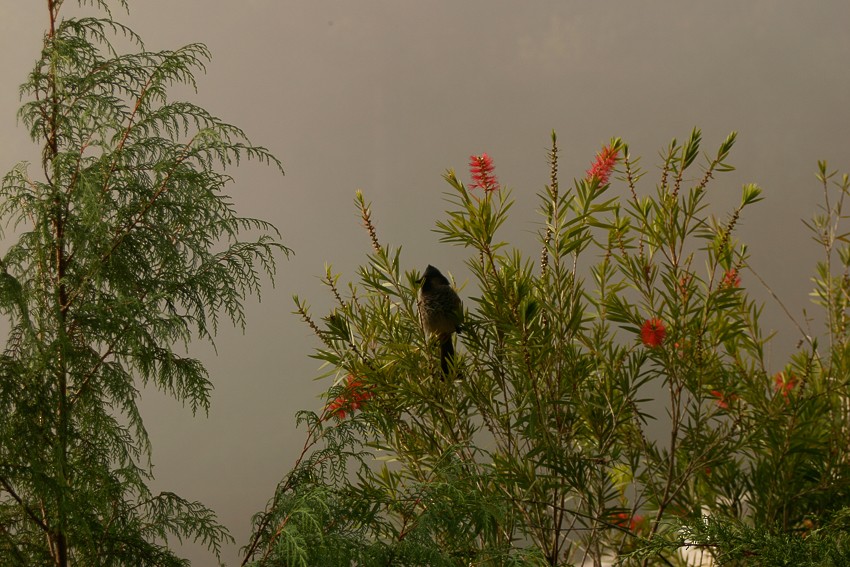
481,168
731,279
336,408
358,395
652,332
352,399
723,400
603,165
784,384
624,520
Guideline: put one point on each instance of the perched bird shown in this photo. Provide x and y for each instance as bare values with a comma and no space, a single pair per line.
440,311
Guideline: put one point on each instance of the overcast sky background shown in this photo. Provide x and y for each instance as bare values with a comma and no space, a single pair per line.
384,96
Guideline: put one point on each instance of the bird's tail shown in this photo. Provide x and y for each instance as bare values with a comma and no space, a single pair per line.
447,354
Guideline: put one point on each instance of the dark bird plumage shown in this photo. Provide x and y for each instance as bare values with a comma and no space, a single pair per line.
440,311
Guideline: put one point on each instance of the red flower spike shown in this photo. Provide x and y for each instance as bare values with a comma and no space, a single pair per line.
481,168
624,520
603,165
723,400
652,332
351,400
783,384
731,279
336,409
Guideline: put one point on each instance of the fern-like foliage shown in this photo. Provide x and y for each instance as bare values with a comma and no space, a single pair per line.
127,248
732,543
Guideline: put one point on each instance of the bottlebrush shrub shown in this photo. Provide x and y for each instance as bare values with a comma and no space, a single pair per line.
610,387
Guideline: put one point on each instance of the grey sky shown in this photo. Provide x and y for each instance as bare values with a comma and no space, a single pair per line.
385,96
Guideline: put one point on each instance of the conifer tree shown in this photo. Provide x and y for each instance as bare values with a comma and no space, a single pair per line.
125,249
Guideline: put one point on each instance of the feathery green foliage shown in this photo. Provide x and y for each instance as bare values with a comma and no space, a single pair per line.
127,248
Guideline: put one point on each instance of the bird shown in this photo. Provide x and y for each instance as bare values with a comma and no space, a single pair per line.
440,312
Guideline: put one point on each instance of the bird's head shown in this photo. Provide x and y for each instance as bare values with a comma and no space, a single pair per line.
432,276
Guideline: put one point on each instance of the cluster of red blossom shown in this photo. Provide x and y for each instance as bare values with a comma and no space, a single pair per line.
603,165
784,384
731,279
652,332
723,399
481,168
781,384
351,400
625,520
